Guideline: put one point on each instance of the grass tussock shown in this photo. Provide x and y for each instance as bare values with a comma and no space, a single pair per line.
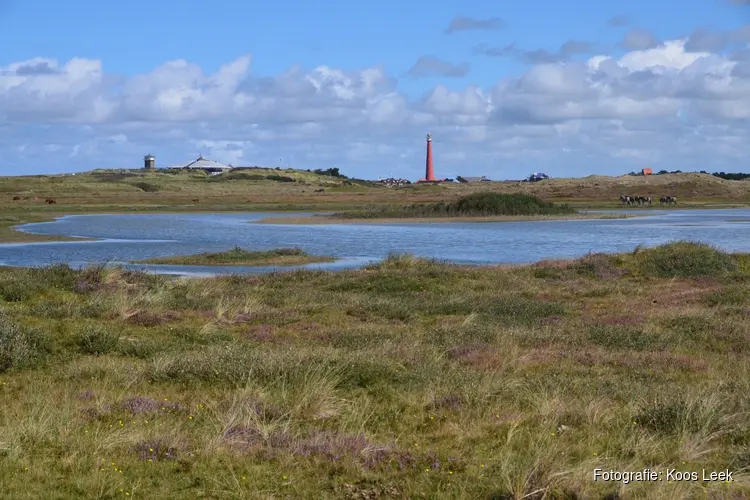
484,204
410,378
680,259
241,257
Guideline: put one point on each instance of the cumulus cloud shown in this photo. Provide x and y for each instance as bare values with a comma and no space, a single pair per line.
461,23
663,103
431,66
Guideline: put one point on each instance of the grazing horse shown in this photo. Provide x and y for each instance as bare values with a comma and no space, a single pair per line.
196,200
626,199
16,198
668,199
50,201
642,200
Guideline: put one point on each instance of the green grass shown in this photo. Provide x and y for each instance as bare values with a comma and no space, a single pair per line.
485,204
411,378
241,257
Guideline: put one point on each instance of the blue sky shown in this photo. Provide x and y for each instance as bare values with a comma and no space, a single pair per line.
491,110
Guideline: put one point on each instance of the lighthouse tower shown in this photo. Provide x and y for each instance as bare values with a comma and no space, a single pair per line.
429,175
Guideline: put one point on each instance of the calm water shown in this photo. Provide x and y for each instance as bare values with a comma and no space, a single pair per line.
139,236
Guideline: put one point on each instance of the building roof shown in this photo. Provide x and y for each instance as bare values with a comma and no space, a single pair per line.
203,163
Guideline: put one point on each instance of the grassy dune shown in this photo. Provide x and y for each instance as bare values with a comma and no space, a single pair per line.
241,257
408,379
256,189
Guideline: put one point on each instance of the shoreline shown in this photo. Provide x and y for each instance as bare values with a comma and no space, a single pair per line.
319,219
239,257
13,235
186,261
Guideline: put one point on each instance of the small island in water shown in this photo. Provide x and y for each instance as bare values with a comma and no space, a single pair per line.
241,257
477,207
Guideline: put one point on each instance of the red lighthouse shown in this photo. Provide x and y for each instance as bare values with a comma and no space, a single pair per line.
429,175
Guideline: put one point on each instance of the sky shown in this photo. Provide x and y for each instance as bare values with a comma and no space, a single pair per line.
505,88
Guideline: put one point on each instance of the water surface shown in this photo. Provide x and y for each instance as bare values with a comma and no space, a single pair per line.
127,237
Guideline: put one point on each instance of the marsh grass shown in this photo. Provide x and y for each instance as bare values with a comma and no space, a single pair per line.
483,204
410,378
241,257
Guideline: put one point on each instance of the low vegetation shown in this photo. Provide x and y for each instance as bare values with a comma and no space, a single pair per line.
241,257
485,204
261,188
411,378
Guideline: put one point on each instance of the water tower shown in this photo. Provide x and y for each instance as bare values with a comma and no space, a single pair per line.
148,162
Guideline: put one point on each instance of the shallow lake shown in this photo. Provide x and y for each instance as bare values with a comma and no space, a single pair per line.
128,237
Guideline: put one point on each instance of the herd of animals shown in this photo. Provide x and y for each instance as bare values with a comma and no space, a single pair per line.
646,200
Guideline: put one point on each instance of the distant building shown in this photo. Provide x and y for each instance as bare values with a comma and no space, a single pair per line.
472,179
210,166
536,176
149,161
647,171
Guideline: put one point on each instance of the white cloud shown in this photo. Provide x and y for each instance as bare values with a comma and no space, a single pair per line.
605,115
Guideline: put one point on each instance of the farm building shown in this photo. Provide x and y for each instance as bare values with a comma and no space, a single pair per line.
647,171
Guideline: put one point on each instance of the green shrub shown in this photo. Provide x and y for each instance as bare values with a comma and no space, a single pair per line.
51,309
137,348
675,414
96,340
19,347
15,290
219,364
743,262
662,416
60,276
685,259
25,283
506,204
